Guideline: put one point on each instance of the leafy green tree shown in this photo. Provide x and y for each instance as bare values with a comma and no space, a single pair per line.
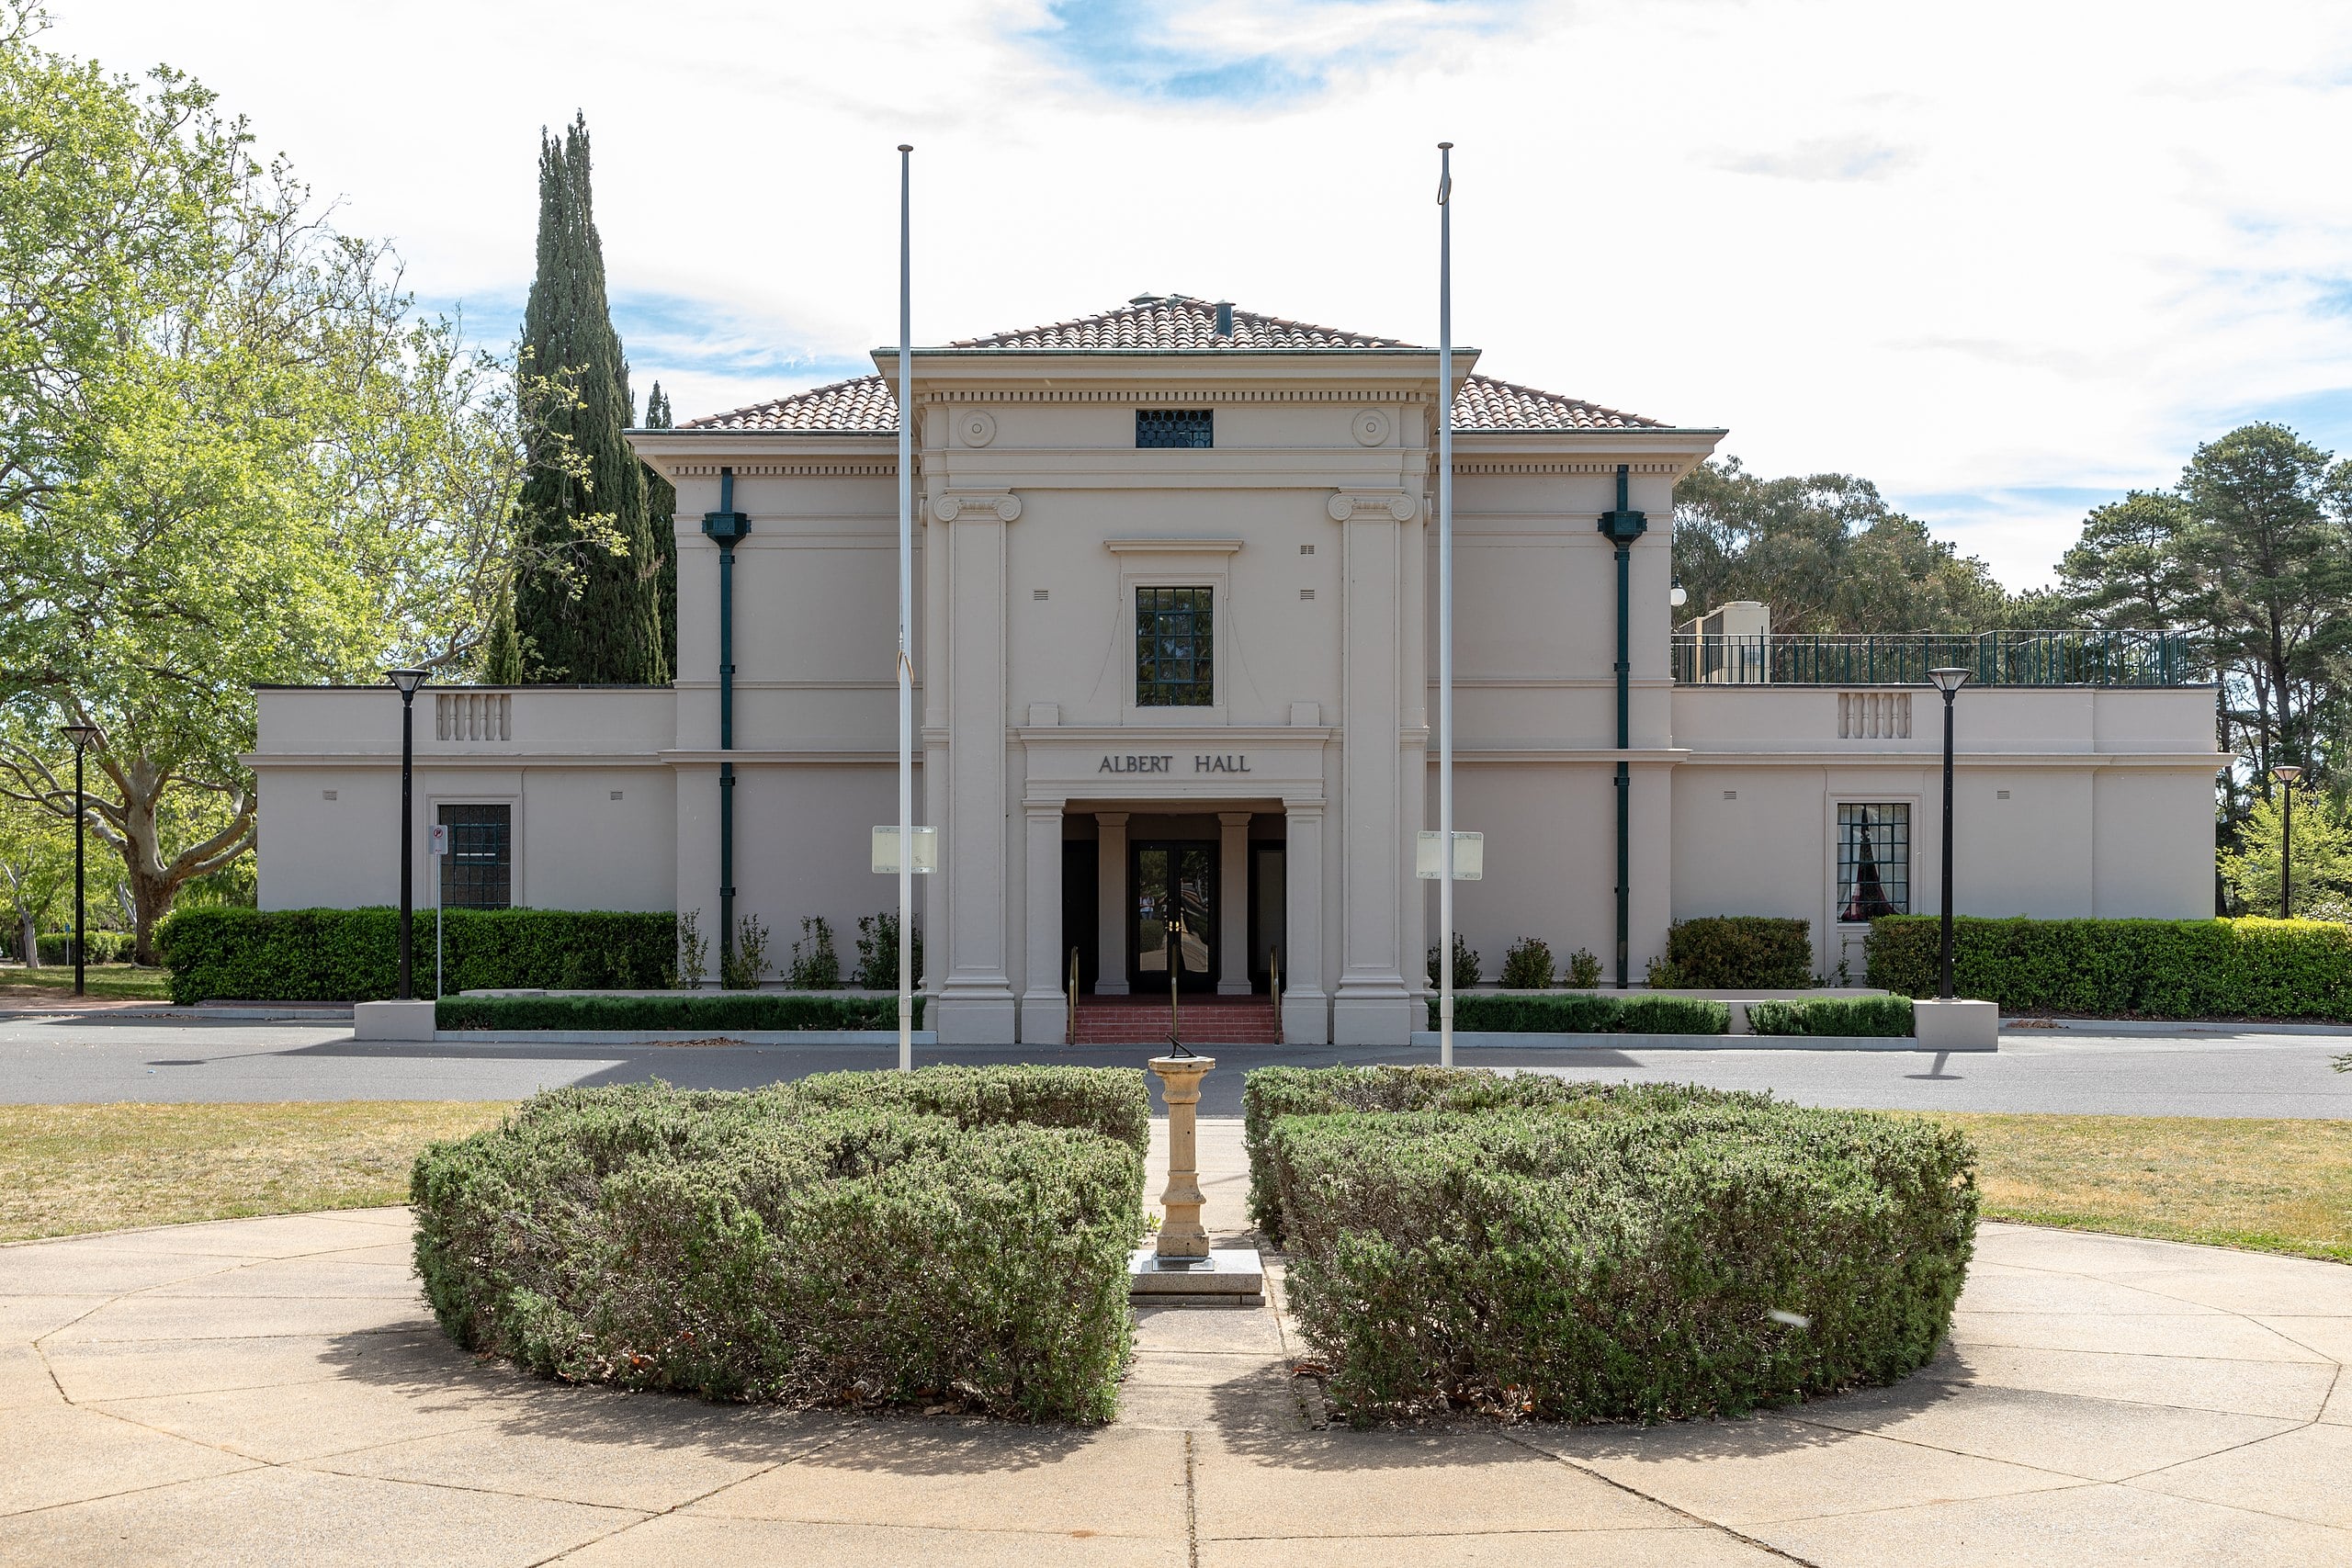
2322,858
2128,570
588,583
1826,551
36,868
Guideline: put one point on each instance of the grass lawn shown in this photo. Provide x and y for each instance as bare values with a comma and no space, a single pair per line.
122,982
2275,1186
69,1168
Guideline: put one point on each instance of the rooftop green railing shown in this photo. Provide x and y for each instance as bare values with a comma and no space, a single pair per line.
1904,659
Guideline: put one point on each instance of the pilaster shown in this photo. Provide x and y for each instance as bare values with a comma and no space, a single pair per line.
1373,1005
1233,904
976,999
1111,898
1307,1012
1044,1007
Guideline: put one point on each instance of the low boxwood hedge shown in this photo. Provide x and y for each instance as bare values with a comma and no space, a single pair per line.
1585,1012
772,1246
1269,1094
716,1010
1109,1101
344,955
1734,951
1627,1263
2240,968
1884,1016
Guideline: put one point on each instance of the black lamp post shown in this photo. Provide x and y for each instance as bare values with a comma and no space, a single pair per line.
2287,777
1949,681
84,737
407,681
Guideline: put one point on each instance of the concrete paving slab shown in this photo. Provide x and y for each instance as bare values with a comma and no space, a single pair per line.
970,1476
2004,1288
1204,1368
27,1271
25,1380
94,1371
2086,1252
2082,1527
235,1317
699,1537
2225,1337
267,1236
1341,1484
317,1279
1250,1329
58,1454
2100,1439
1770,1467
2293,1391
2330,1336
29,1317
312,1420
273,1516
2338,1412
2304,1475
1693,1547
2248,1282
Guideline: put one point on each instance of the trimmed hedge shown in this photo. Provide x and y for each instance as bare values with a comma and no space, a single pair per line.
285,955
1732,952
716,1010
2241,968
1884,1016
1622,1264
97,947
761,1246
1585,1012
1112,1102
1269,1094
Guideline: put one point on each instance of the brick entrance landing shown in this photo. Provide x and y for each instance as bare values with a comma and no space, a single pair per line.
1207,1021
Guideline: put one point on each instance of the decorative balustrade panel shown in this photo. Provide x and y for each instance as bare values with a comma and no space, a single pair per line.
472,716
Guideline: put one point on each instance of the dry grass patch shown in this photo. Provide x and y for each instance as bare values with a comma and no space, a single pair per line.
2279,1185
65,1170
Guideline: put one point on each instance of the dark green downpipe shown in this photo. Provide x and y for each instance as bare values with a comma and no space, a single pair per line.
1624,527
725,528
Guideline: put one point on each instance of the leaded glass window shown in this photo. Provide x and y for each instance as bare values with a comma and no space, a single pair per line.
1874,860
1175,427
478,870
1174,667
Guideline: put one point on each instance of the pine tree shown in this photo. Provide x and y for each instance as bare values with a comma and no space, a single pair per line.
589,614
502,651
660,510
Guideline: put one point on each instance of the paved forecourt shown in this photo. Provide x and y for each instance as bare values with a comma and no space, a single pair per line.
272,1391
2164,1070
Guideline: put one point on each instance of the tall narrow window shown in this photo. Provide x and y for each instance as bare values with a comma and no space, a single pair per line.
1873,861
1174,665
1175,427
478,872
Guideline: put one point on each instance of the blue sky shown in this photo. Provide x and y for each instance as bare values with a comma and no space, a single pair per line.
2007,261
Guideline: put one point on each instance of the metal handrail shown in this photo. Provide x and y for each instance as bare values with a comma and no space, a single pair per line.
2056,658
1274,987
1071,1035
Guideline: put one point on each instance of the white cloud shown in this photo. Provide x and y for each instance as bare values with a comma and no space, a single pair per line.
1999,258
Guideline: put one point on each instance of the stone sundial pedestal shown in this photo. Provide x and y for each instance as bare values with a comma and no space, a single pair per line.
1181,1268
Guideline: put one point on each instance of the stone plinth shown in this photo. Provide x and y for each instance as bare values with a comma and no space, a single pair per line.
1226,1276
1956,1025
409,1020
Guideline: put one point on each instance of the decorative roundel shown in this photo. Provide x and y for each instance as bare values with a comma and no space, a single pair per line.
1371,427
977,427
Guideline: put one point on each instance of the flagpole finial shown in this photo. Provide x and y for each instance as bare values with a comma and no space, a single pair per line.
1445,146
906,146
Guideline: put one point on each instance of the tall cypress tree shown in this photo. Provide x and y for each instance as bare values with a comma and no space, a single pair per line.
660,511
589,614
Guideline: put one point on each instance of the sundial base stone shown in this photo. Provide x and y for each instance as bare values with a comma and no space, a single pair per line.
1229,1276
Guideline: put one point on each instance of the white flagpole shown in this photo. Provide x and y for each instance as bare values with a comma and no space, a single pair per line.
906,618
1445,602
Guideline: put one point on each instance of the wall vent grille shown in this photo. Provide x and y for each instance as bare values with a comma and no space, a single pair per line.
1306,593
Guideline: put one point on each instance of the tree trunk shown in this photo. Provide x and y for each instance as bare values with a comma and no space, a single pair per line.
131,828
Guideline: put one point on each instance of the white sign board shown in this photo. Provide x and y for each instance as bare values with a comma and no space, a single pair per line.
1469,857
885,850
440,841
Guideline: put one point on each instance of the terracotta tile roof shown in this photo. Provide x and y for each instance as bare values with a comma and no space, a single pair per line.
1177,322
1485,403
865,405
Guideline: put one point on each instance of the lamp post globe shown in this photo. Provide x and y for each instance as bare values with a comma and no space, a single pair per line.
2286,775
1949,680
84,736
406,682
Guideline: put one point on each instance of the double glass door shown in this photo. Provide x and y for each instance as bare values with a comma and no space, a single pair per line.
1170,883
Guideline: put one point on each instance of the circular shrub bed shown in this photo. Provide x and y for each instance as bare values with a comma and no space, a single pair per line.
958,1234
1637,1254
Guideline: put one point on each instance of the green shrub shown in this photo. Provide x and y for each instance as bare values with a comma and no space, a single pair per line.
708,1012
1583,969
1268,1094
1624,1263
743,964
877,953
1734,951
1886,1015
1527,966
753,1246
1465,965
2241,968
97,947
1583,1013
354,955
1108,1100
815,966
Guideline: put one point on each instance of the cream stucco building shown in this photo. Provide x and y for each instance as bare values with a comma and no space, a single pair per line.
1175,579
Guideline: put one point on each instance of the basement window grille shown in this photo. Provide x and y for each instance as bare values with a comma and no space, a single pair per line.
1175,427
478,873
